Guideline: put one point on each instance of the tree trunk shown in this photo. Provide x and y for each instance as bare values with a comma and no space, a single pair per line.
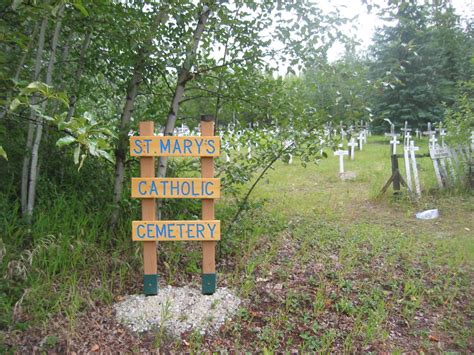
184,75
121,151
39,121
77,76
20,66
31,125
132,91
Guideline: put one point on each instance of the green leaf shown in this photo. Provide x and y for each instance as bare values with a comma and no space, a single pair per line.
83,157
14,104
16,4
77,152
65,141
3,154
78,5
106,155
37,86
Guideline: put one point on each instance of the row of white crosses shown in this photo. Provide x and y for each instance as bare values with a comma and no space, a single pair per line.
361,138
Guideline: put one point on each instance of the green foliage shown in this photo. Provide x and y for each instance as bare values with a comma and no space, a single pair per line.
459,119
3,154
417,60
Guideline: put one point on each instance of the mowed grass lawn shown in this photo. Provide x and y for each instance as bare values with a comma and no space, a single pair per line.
344,271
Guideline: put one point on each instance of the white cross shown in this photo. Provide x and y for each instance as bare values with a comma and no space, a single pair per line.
472,140
412,150
429,132
341,154
412,147
442,133
407,137
360,138
394,143
352,144
433,140
417,133
343,133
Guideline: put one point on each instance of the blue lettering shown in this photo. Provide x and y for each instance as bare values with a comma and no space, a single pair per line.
199,142
153,189
210,144
140,188
187,145
177,147
160,232
171,231
164,183
140,235
149,231
138,148
188,231
185,188
165,146
180,225
200,230
212,229
194,193
206,190
147,142
174,187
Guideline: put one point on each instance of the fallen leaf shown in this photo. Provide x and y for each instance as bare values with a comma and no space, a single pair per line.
433,338
95,348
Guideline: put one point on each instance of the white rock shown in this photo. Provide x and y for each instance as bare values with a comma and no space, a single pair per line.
178,309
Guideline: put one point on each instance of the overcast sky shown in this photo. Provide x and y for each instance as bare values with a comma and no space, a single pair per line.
366,23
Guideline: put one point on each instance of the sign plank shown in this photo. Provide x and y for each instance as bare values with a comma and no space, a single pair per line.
438,152
176,230
176,188
171,146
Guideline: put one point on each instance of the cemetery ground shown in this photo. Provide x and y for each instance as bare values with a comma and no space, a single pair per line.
321,264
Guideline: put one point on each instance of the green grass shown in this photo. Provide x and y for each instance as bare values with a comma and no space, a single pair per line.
322,263
352,259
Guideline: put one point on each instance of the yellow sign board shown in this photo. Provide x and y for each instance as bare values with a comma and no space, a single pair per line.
176,231
176,188
170,146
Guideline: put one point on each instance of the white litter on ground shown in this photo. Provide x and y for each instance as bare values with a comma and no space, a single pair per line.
428,214
178,309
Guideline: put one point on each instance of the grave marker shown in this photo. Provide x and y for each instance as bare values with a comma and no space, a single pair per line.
406,158
341,154
417,133
394,143
407,138
413,149
442,134
352,144
360,138
429,132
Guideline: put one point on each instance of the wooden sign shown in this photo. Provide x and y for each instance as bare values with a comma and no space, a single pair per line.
165,231
176,188
170,146
147,188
